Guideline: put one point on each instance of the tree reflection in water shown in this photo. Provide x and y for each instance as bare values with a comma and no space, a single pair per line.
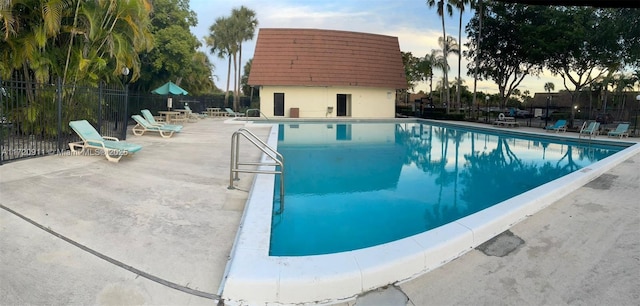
474,177
387,182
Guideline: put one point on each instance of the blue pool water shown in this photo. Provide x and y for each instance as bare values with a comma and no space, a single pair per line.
351,186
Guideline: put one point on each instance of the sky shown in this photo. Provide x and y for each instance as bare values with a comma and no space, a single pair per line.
416,26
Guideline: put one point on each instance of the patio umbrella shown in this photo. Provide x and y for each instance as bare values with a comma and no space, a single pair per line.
169,89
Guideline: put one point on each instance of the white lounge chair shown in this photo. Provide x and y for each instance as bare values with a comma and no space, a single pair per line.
232,113
193,115
152,120
559,126
112,148
143,126
593,129
622,130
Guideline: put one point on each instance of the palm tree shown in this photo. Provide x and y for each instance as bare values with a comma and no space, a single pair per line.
460,5
9,22
443,8
478,7
449,46
622,83
438,61
247,24
118,30
220,40
548,87
425,67
77,40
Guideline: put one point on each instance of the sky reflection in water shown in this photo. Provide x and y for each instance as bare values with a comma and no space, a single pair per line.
350,186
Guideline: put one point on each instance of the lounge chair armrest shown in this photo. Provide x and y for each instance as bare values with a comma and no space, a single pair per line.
110,138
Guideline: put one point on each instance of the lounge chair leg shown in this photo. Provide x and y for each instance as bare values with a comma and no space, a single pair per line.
162,133
73,145
136,131
111,158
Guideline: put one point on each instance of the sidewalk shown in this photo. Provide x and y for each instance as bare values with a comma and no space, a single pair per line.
166,212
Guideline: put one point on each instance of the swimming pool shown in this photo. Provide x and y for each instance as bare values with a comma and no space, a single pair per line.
254,277
355,185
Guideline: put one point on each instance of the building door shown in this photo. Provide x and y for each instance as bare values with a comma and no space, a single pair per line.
343,105
278,104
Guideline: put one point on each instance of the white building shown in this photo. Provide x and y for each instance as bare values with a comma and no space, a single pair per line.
311,73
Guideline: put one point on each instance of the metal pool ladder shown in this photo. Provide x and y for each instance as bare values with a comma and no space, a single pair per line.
253,110
277,160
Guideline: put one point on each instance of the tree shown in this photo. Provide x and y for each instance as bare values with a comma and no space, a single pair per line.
548,87
512,40
79,41
221,42
429,62
439,62
175,56
622,83
248,90
460,5
412,69
589,49
225,39
246,26
73,42
449,46
627,33
200,80
442,9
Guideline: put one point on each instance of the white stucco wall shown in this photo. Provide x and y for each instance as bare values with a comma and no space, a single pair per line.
366,102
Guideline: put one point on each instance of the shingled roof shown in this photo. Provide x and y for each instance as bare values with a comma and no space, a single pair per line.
312,57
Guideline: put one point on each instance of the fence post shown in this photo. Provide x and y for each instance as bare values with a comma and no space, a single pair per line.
59,102
100,97
1,129
126,112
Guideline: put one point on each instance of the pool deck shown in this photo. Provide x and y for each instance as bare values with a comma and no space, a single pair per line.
157,228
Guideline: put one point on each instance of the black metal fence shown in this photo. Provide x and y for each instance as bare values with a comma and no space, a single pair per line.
34,117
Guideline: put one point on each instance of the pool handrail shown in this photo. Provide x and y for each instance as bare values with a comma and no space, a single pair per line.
266,149
260,113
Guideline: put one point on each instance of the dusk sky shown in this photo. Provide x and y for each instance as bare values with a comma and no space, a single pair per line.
415,24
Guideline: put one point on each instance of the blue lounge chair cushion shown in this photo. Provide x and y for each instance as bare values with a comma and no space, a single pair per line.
149,117
92,139
119,146
559,124
149,126
621,130
235,114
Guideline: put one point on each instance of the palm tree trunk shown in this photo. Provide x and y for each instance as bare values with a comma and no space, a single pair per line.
446,65
459,59
73,34
235,82
431,87
239,78
476,104
226,93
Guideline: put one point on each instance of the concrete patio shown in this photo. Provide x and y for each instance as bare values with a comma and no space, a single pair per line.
157,229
